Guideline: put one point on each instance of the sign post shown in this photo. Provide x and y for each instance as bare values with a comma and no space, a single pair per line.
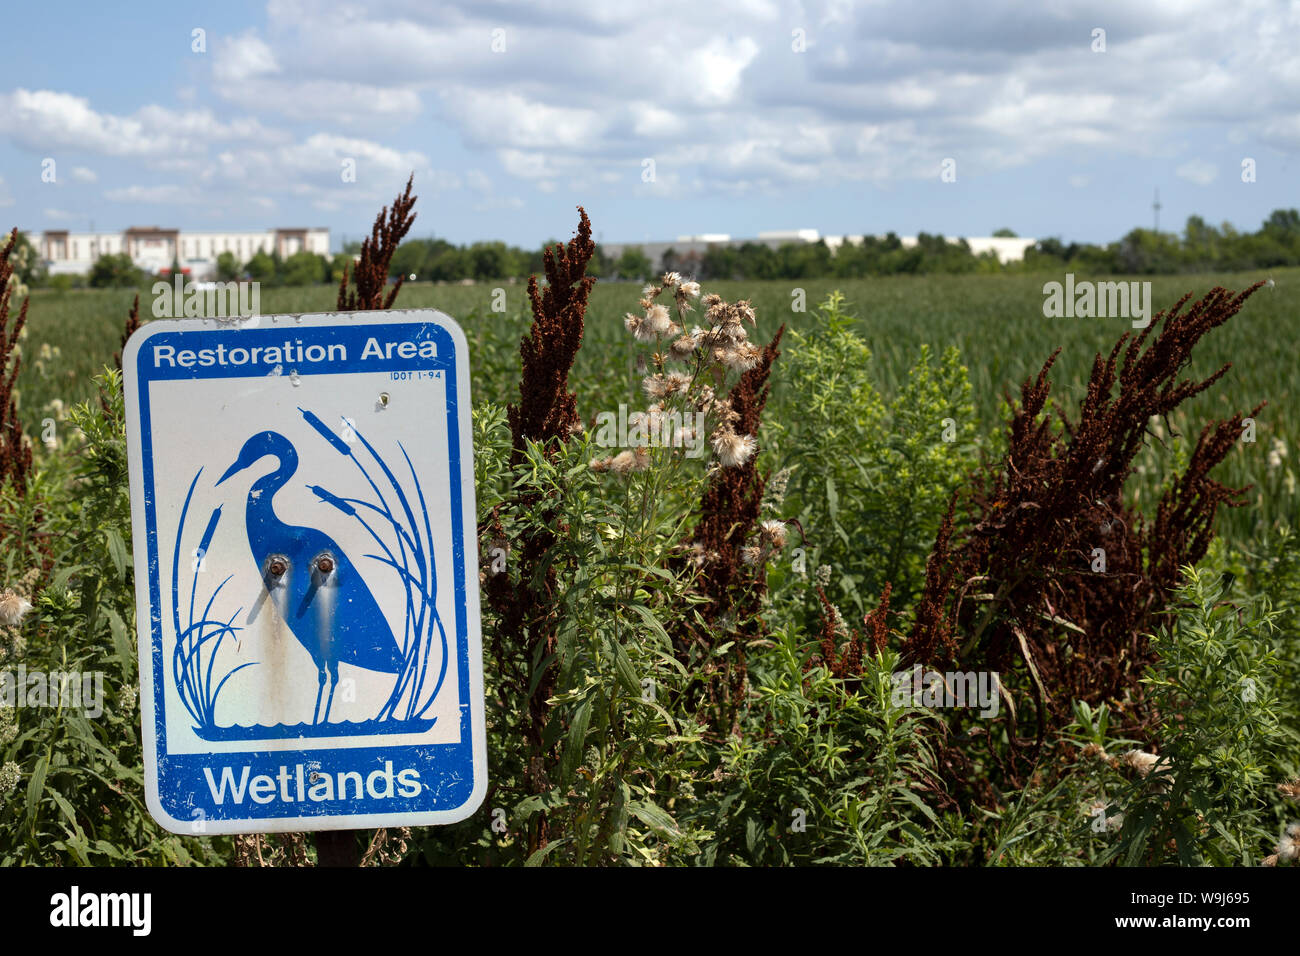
302,506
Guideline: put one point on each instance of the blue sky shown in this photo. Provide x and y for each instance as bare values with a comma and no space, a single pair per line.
757,115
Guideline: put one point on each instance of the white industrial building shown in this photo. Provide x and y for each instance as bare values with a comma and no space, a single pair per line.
1006,249
154,248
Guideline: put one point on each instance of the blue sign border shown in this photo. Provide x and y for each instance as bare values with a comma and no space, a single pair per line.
452,776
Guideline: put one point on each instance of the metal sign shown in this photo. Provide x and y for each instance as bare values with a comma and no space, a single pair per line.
302,504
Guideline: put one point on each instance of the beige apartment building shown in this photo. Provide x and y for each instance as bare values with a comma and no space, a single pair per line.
155,248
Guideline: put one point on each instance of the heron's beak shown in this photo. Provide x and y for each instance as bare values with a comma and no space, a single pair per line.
238,466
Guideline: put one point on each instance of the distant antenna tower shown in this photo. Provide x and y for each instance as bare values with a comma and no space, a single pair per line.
1155,207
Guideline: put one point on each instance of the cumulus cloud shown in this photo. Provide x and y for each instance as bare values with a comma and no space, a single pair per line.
170,195
735,98
1197,171
247,72
576,91
48,120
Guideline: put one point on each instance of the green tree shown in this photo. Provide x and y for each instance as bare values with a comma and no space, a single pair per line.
304,268
114,272
340,262
260,268
633,264
487,260
28,265
411,258
227,267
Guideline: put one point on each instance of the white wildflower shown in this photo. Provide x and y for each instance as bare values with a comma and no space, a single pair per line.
628,461
734,450
655,386
774,532
1288,848
740,357
657,320
636,325
684,347
9,776
1139,760
1276,454
677,383
13,608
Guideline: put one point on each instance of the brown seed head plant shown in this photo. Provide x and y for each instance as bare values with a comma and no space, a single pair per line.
546,415
1016,586
371,272
728,517
15,449
132,323
841,649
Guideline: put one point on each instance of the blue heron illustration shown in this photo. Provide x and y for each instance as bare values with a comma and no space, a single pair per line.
320,594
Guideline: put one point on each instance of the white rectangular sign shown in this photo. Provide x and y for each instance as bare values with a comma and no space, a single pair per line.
302,504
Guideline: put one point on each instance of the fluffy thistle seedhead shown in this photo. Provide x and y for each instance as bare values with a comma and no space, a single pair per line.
733,450
13,608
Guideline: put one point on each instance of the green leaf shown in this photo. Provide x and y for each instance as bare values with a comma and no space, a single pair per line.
66,807
538,803
626,672
912,798
537,857
35,787
657,818
117,551
651,622
121,640
574,743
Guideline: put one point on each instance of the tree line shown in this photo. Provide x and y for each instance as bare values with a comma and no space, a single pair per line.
1200,247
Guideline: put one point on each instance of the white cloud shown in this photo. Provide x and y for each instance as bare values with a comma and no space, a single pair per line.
83,174
242,58
511,121
586,89
1197,171
247,72
169,195
46,121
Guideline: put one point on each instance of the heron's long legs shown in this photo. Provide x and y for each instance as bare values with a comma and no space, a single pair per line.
334,682
320,689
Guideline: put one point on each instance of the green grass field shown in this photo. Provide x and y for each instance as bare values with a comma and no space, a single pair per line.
996,321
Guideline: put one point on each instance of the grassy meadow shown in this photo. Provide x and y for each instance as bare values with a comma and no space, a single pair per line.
661,689
996,321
